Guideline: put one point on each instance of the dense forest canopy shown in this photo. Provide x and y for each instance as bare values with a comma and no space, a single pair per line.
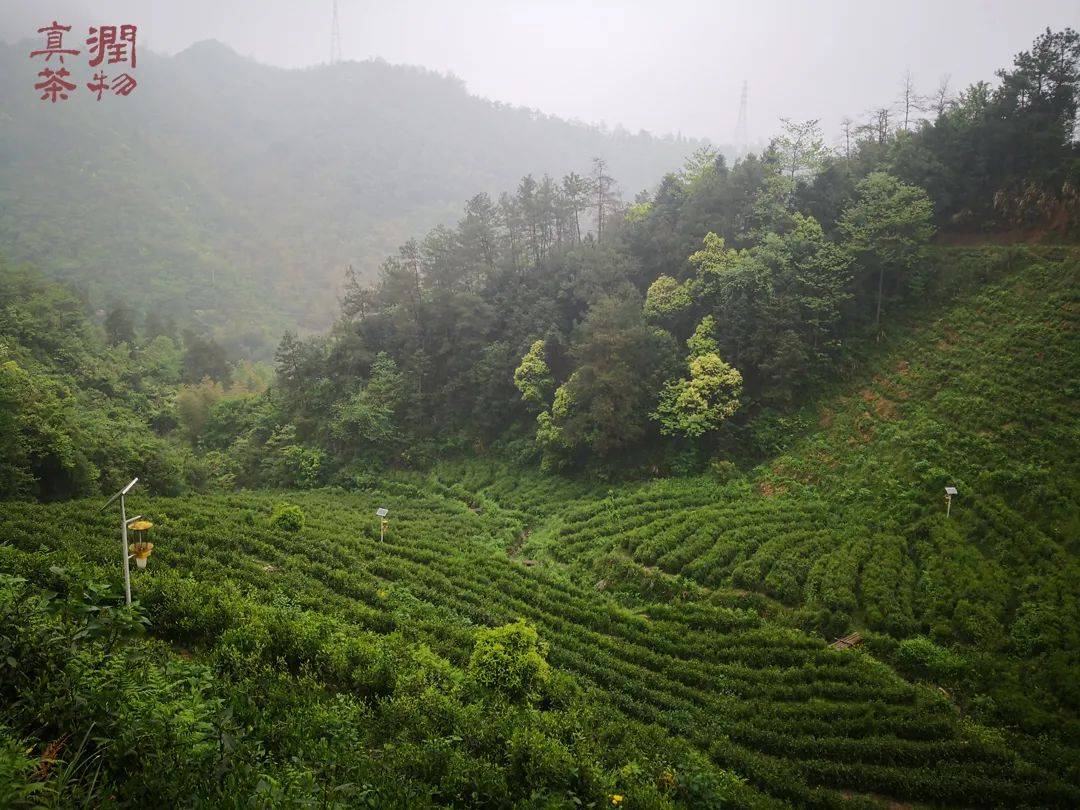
730,290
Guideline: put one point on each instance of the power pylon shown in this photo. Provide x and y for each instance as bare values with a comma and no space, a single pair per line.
335,38
741,137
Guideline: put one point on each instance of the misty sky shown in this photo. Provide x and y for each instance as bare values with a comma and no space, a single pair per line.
663,66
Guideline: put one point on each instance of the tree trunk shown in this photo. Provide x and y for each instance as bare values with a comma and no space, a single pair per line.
880,287
599,210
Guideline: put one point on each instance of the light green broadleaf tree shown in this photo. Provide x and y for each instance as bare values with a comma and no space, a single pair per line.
667,298
693,405
533,376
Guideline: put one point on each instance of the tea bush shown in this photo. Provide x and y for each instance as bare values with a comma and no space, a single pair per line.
288,517
509,660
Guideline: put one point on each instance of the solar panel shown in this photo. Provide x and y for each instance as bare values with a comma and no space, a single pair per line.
124,491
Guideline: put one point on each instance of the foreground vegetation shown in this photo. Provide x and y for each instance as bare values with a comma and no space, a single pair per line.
674,644
304,649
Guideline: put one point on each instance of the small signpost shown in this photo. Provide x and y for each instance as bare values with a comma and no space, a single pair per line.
384,524
949,492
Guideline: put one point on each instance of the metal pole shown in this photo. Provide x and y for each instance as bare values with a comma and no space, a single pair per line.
126,557
948,505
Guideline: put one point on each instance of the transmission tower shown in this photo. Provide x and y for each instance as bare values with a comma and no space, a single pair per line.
741,137
335,38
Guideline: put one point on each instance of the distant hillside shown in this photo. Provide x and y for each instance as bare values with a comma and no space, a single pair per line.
235,193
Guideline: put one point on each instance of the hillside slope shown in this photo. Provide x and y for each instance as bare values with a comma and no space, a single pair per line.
235,193
690,613
848,528
980,392
753,697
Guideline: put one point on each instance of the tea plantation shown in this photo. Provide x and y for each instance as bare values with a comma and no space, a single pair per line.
520,639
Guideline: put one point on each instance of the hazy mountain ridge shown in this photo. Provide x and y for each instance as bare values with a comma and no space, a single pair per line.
236,192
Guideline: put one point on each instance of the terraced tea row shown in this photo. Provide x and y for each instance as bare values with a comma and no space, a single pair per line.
750,694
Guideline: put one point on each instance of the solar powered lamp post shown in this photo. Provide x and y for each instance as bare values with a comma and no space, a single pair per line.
384,524
949,492
124,534
141,548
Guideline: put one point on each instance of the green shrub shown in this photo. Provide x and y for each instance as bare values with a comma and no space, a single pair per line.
288,517
18,787
723,470
540,763
921,658
509,661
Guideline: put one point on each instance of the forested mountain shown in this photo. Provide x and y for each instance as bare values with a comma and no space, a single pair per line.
727,295
679,328
232,195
